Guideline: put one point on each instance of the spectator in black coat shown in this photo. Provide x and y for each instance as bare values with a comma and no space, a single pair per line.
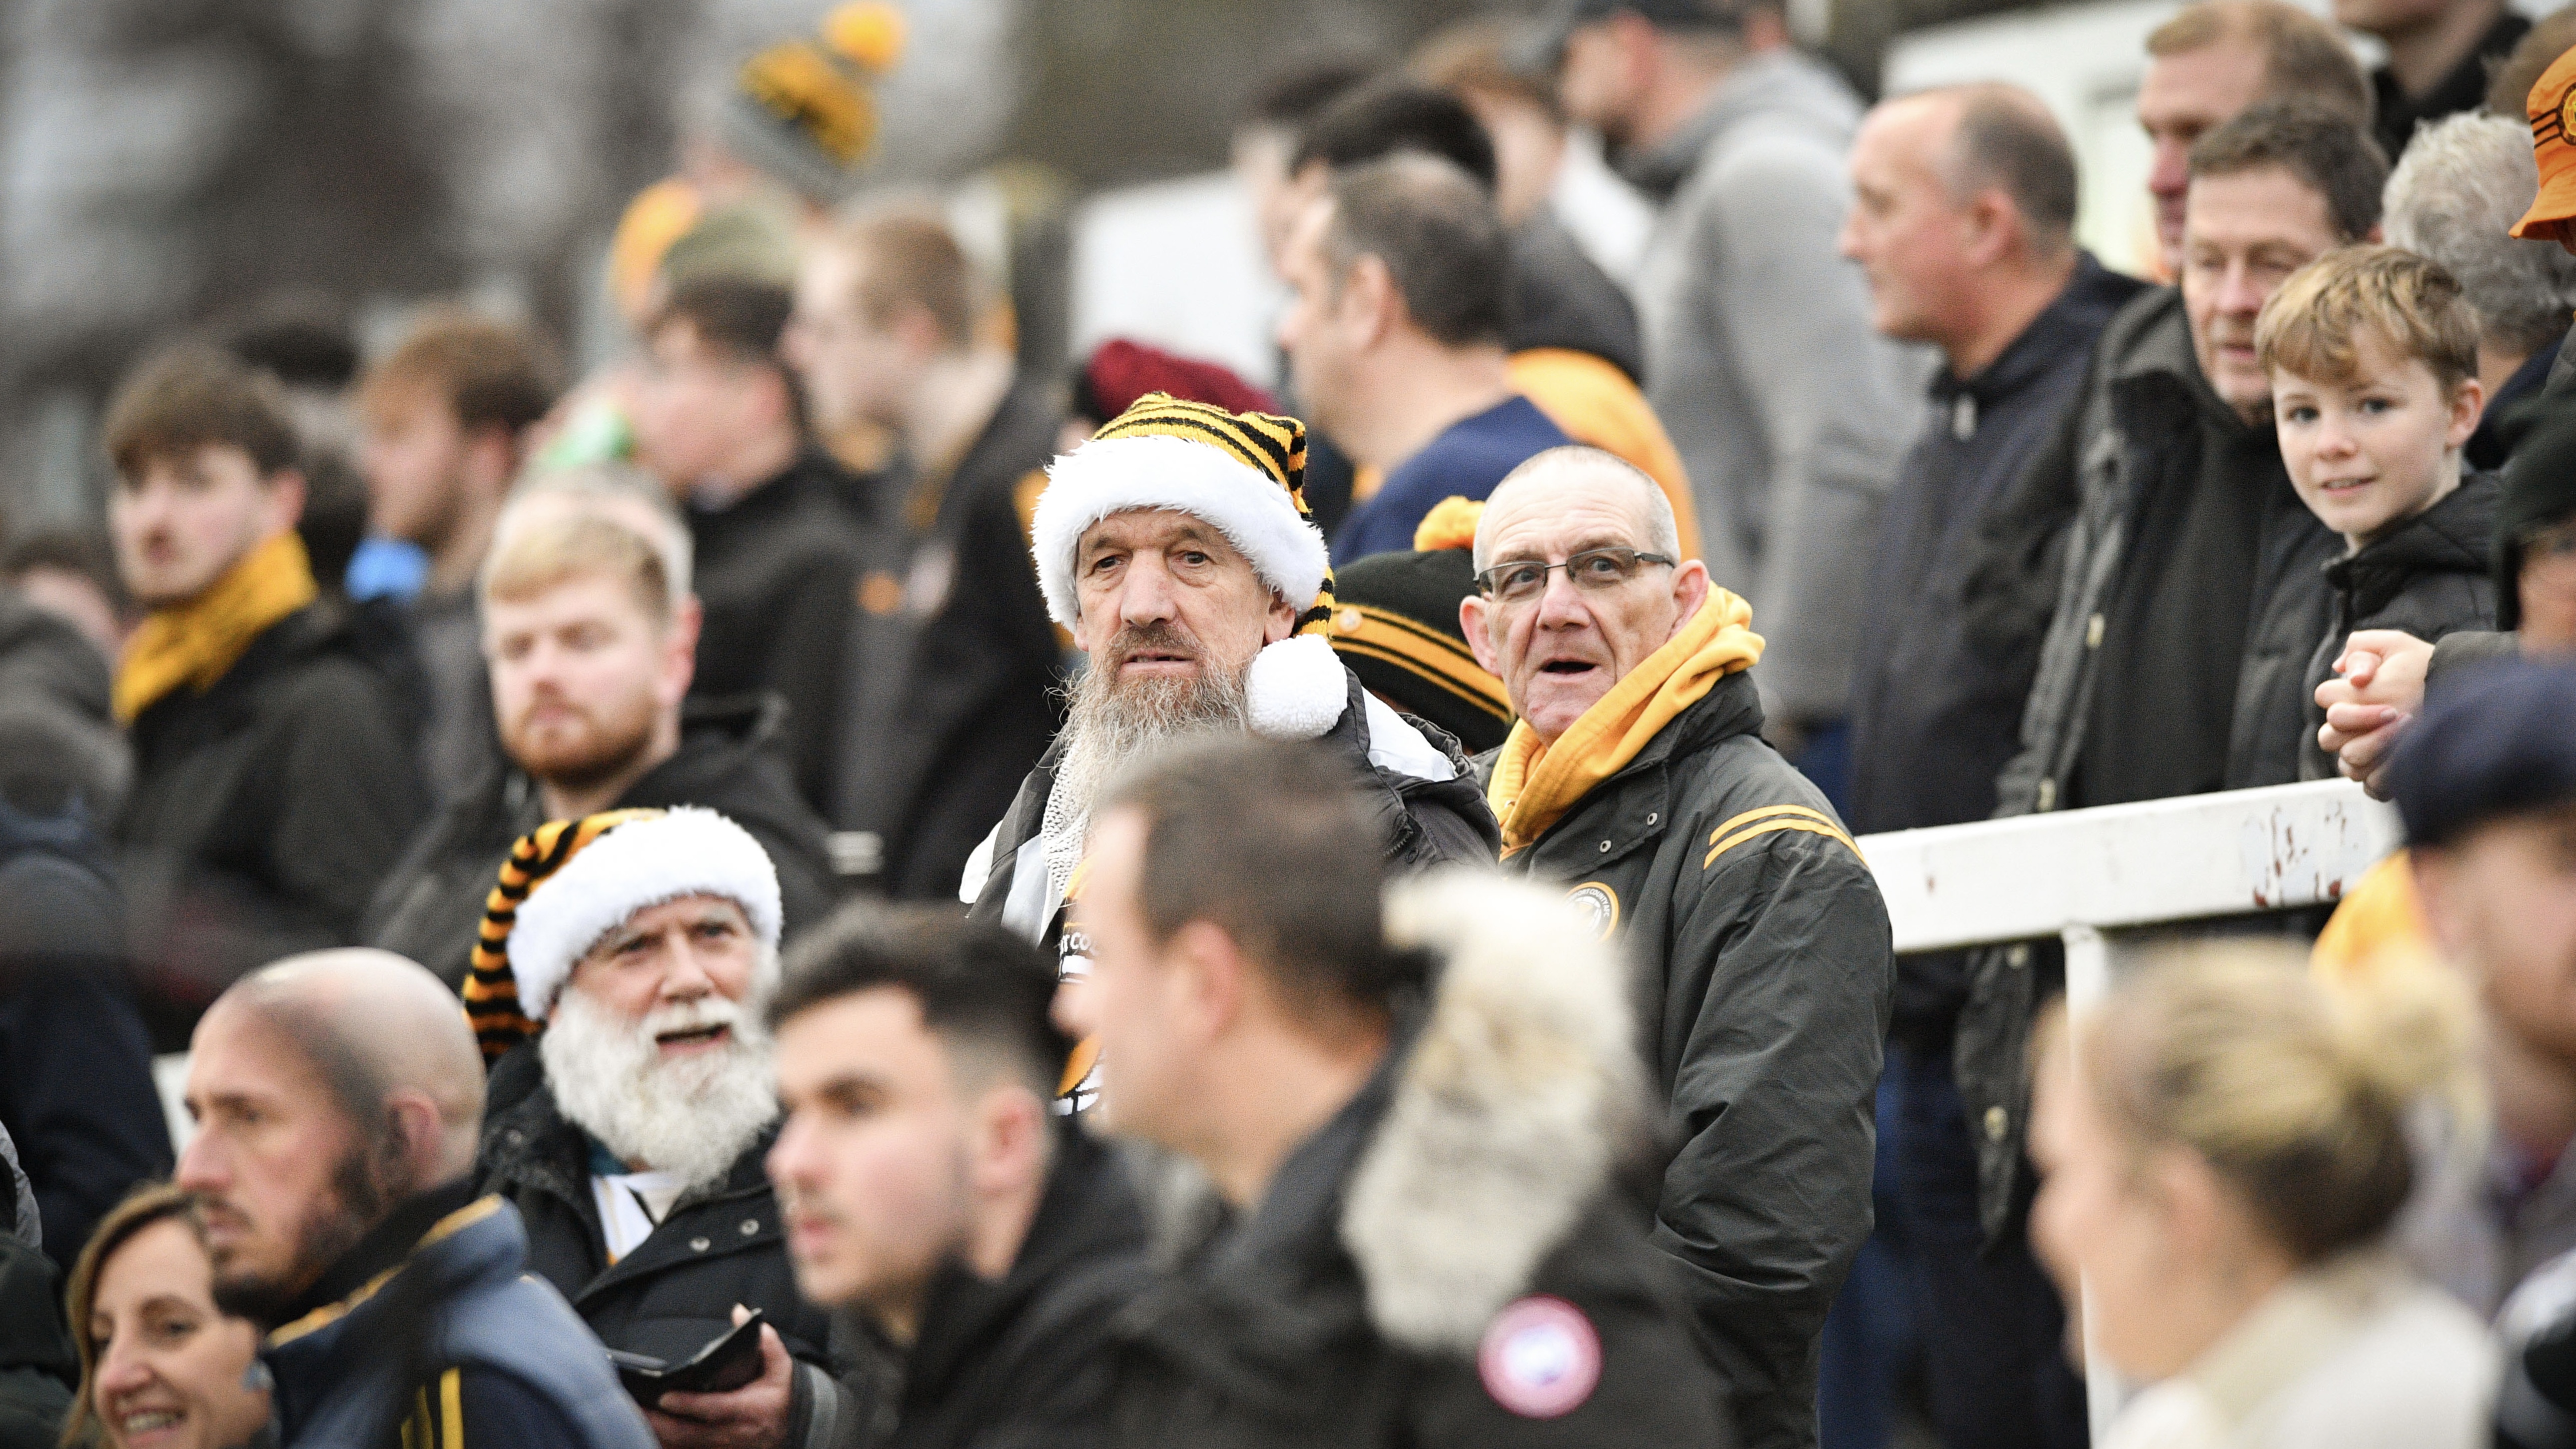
36,1356
1987,270
274,781
591,627
931,1191
2373,357
644,945
722,420
952,695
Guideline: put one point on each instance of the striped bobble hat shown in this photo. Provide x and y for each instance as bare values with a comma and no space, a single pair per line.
568,882
802,110
1245,473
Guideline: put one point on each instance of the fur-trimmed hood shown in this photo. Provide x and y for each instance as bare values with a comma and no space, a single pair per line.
1481,1142
1509,1113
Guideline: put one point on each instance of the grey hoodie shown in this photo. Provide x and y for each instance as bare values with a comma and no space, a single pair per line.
1788,410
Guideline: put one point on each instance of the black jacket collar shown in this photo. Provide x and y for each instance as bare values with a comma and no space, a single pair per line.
2068,324
2451,537
1088,1212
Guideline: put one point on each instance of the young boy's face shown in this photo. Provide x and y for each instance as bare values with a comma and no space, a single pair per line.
2375,450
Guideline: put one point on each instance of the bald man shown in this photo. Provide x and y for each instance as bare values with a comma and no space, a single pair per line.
338,1097
1637,776
1963,210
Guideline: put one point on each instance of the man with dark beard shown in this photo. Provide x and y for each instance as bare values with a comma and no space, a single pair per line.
589,629
1175,546
337,1101
646,941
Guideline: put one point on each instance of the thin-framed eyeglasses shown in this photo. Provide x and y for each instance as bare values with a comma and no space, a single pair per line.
1594,570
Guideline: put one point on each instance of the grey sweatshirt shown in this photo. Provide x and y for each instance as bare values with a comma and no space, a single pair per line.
1788,410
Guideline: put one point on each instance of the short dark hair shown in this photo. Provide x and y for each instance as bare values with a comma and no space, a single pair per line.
491,373
2007,139
1269,842
744,318
1397,115
978,985
1440,238
1300,90
193,397
2326,152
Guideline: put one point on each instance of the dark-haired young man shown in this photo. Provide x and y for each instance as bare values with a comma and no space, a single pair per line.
274,785
722,420
1358,1279
927,1185
444,421
1396,342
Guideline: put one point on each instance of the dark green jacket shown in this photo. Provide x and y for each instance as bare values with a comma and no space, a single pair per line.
1765,982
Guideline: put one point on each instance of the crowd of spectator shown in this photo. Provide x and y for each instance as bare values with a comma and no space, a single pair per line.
816,888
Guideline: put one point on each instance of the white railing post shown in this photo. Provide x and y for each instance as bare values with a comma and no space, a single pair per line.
2086,875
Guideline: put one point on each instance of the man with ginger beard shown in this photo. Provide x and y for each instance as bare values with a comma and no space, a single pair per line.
646,942
1175,546
589,632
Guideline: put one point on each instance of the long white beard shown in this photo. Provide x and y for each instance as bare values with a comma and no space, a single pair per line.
1107,729
692,1116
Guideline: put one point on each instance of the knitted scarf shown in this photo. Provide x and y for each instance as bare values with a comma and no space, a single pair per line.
198,642
1535,782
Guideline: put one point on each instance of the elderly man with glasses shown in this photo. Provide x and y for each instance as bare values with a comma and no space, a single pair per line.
1637,776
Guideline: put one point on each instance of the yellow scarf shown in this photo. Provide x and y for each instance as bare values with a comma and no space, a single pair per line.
1536,783
197,642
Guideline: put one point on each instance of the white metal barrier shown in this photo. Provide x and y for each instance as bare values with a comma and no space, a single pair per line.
2088,876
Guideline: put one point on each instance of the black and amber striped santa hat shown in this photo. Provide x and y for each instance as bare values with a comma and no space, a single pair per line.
569,882
1244,473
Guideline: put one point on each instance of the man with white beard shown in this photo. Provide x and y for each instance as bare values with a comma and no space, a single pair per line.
1175,546
645,943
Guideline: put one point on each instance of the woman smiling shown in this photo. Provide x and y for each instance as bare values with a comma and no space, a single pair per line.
161,1366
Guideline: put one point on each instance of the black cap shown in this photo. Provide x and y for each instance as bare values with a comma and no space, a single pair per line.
1395,623
2539,490
2501,741
1547,49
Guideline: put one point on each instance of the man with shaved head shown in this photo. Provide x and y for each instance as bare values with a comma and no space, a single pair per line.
338,1097
1638,777
1963,209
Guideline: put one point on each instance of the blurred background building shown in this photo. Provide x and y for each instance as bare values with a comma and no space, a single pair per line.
209,165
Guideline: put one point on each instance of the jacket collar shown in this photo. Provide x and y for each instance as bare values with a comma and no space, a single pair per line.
2068,324
414,1223
1087,1212
2159,369
2453,537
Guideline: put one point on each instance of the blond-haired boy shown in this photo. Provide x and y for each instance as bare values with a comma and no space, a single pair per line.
2372,354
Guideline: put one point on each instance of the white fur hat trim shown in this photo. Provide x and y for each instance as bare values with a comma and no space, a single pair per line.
686,851
1113,475
1296,688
